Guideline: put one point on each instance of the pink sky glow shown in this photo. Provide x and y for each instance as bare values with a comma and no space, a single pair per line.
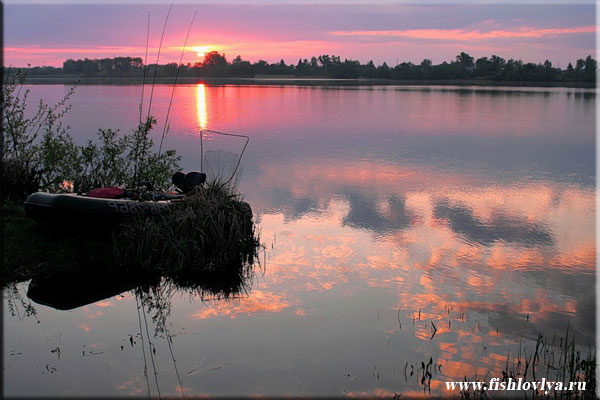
461,34
382,33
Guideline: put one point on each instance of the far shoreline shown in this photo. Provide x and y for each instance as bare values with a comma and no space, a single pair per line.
293,81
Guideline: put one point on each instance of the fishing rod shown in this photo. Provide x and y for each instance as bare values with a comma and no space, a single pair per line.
162,138
157,58
148,123
145,66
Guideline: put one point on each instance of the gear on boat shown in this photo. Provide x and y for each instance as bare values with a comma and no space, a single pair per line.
187,182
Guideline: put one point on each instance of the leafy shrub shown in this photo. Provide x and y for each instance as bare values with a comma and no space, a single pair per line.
22,159
39,154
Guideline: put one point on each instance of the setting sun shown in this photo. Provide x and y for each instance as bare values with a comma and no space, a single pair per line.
200,50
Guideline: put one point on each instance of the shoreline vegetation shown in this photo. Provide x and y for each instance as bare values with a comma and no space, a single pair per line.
211,230
319,71
293,81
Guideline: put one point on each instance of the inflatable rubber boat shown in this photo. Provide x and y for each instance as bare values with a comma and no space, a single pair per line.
107,206
57,208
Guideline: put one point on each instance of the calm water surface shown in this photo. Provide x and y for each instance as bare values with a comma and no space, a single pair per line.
383,211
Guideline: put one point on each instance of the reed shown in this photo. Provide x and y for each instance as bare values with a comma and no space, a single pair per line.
557,362
209,230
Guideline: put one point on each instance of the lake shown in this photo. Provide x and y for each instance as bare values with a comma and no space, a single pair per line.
400,224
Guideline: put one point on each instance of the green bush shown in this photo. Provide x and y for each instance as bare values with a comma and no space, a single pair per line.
38,153
22,159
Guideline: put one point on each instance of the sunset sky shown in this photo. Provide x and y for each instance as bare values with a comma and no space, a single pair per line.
47,34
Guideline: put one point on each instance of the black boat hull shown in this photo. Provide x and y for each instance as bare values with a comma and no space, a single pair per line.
76,209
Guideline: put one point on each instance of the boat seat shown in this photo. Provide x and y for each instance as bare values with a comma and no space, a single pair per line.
177,180
186,182
193,179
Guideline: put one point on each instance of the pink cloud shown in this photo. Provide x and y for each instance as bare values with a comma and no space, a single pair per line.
86,50
258,301
462,34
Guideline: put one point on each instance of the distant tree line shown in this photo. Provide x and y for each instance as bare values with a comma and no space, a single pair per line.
215,64
104,66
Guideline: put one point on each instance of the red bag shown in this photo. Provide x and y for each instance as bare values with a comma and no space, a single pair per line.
106,193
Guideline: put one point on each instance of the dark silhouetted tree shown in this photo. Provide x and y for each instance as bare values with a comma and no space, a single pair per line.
214,64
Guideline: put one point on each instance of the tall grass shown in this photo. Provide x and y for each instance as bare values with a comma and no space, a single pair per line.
209,230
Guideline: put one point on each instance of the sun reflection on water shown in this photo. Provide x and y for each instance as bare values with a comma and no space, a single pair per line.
201,106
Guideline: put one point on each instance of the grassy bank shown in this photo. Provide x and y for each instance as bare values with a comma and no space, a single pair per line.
77,80
210,231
